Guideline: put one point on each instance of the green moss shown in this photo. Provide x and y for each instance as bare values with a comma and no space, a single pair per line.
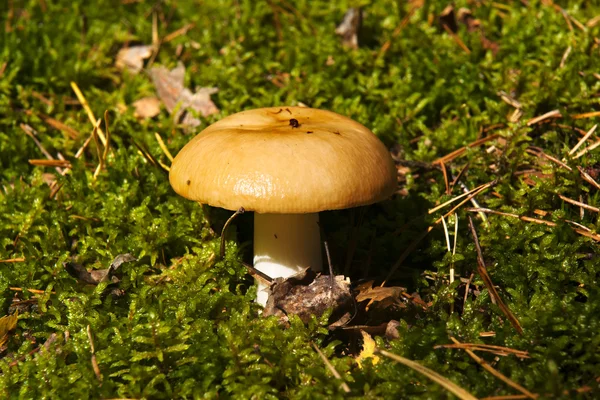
185,325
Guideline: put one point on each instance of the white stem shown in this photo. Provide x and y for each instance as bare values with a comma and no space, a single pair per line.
285,244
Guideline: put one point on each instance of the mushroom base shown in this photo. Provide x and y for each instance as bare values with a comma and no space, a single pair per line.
285,244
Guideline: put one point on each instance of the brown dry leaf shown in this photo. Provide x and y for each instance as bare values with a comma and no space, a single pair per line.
349,27
386,295
368,350
448,17
7,324
132,58
305,295
465,16
178,99
147,107
96,276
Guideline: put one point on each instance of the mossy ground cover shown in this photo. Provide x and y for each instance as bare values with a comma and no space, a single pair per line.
183,324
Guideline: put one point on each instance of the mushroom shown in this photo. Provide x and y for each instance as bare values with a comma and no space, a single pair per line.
286,164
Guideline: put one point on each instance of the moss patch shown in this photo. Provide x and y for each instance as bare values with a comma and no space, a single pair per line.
184,325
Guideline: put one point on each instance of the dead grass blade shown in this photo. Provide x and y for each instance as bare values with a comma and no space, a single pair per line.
481,268
496,373
434,376
88,110
331,368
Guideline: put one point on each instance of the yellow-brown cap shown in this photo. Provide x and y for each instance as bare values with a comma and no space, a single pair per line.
285,160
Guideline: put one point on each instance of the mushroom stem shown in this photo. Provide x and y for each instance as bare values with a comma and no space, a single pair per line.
285,244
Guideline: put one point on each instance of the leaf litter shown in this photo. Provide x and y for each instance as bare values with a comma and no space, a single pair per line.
178,99
94,277
132,58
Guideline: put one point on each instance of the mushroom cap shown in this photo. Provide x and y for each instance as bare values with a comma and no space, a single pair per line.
284,160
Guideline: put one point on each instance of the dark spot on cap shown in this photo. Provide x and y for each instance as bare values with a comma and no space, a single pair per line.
309,131
189,182
337,133
275,236
294,123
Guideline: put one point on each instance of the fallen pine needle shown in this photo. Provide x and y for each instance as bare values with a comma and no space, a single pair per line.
93,351
543,117
107,146
586,177
88,110
495,296
436,208
418,239
434,376
583,139
586,115
582,231
457,39
181,31
98,152
496,373
13,260
458,152
35,291
83,146
536,151
587,149
563,60
579,204
331,368
497,350
51,163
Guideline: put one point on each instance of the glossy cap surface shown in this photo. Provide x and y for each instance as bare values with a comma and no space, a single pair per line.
288,160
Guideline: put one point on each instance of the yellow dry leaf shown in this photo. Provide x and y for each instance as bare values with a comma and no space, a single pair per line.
368,350
7,324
